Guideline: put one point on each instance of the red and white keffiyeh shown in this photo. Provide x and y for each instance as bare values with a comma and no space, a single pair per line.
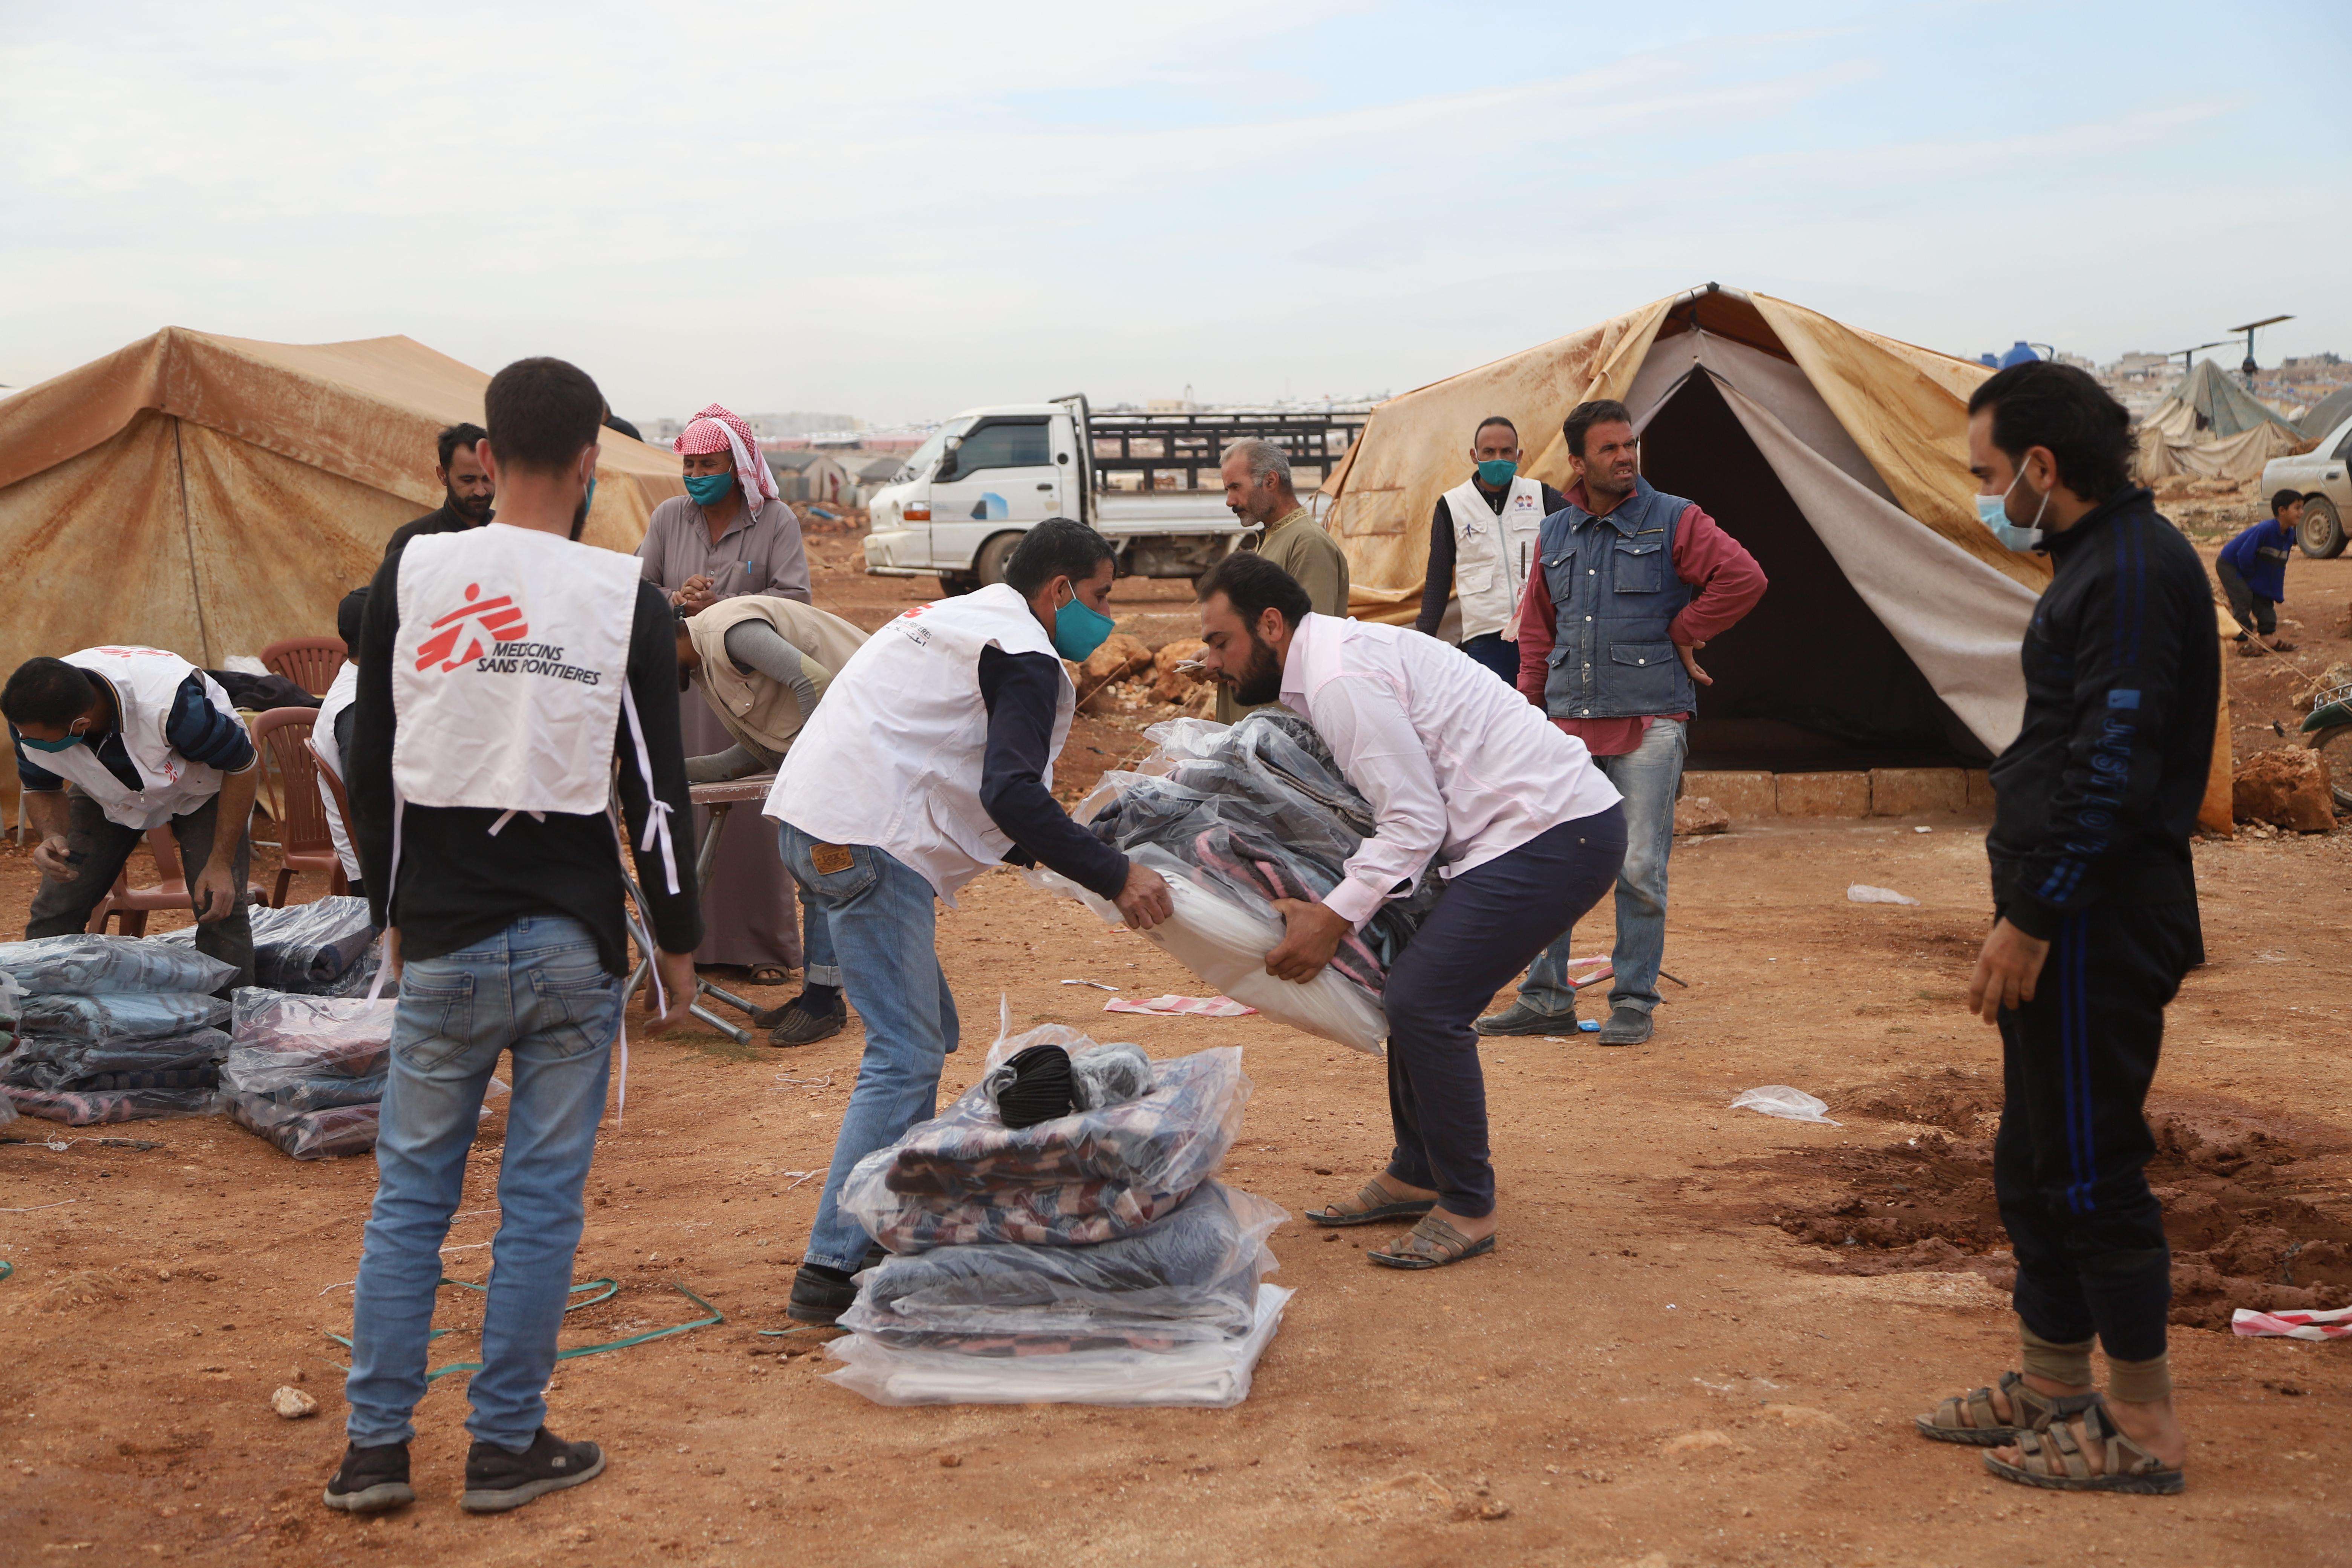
715,429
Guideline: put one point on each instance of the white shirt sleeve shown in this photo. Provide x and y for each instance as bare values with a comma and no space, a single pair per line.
1373,740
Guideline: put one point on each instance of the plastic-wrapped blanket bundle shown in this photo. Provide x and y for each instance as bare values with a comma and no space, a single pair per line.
324,947
308,1072
1094,1176
110,1028
1241,816
1087,1259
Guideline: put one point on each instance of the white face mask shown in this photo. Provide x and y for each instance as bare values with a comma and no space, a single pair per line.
1993,512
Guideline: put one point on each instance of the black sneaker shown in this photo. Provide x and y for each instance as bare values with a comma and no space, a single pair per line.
1522,1018
500,1479
371,1480
795,1025
820,1294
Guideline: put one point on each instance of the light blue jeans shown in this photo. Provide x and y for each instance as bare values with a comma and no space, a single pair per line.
880,925
538,991
1647,776
818,964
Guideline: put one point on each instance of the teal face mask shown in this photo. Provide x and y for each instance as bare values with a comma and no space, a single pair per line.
71,741
1993,512
707,489
1079,628
1497,472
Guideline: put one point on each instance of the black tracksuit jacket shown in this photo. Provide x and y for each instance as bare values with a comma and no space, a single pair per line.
2097,797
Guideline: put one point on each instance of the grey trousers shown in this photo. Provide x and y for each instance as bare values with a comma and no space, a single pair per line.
62,908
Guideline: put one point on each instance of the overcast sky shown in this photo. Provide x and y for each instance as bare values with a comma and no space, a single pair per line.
898,211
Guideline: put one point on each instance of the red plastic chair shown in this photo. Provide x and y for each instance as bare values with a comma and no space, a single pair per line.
133,904
309,663
285,735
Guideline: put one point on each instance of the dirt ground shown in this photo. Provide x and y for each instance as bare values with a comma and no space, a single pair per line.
1701,1340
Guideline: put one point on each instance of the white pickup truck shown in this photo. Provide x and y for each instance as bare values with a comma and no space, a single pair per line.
965,497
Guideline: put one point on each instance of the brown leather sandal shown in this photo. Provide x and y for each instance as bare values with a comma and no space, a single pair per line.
1970,1418
2052,1458
1432,1244
1380,1205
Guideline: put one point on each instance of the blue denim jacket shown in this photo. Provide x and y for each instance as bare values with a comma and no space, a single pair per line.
1614,595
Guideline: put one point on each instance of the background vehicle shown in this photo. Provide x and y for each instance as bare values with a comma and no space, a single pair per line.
2324,475
966,496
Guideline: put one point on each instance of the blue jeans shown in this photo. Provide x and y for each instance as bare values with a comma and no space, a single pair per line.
538,991
880,925
819,966
1647,776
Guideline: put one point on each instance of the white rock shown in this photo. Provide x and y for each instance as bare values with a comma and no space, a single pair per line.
292,1403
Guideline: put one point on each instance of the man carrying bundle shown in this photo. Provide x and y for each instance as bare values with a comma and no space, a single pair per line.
930,761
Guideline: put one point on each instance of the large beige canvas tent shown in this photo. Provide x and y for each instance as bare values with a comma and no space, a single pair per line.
2212,427
1838,458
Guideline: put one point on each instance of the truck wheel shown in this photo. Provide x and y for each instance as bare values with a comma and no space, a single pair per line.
988,564
2321,533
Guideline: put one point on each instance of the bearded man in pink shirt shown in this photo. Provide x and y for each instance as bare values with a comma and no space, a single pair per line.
1459,772
1633,583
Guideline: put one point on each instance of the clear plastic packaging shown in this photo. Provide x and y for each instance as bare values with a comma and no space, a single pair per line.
278,1039
87,966
306,949
120,1016
1091,1176
93,1108
1214,1374
1225,940
56,1064
1190,1276
306,1135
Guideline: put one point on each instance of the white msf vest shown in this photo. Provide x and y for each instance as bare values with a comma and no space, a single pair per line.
1491,553
892,756
145,681
509,669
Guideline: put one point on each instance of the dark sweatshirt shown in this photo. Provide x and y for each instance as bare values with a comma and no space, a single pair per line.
2097,797
1020,691
459,883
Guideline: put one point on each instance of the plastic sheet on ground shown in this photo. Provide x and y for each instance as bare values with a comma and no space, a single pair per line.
2292,1324
121,1016
1789,1104
1094,1175
1864,893
277,1039
306,1135
1189,1277
58,1063
303,948
1214,1373
83,964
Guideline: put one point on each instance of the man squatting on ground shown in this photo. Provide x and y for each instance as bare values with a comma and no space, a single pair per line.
762,662
2094,900
503,671
949,719
1633,583
1458,768
1482,542
2253,571
144,738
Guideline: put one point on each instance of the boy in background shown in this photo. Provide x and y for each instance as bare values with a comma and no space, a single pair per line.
2253,570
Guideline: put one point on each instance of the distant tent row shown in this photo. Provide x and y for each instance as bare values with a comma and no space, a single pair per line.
2212,427
1889,636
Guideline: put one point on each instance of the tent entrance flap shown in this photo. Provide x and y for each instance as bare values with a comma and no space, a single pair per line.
1812,681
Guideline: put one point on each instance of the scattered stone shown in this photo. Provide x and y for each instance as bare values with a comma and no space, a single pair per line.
292,1404
2288,786
1697,814
1119,657
1804,1416
1169,683
950,1461
1706,1443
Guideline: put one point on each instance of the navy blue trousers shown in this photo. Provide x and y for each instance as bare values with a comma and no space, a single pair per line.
2069,1163
1490,923
1490,649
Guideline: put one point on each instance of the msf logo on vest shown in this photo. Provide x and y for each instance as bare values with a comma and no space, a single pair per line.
493,621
